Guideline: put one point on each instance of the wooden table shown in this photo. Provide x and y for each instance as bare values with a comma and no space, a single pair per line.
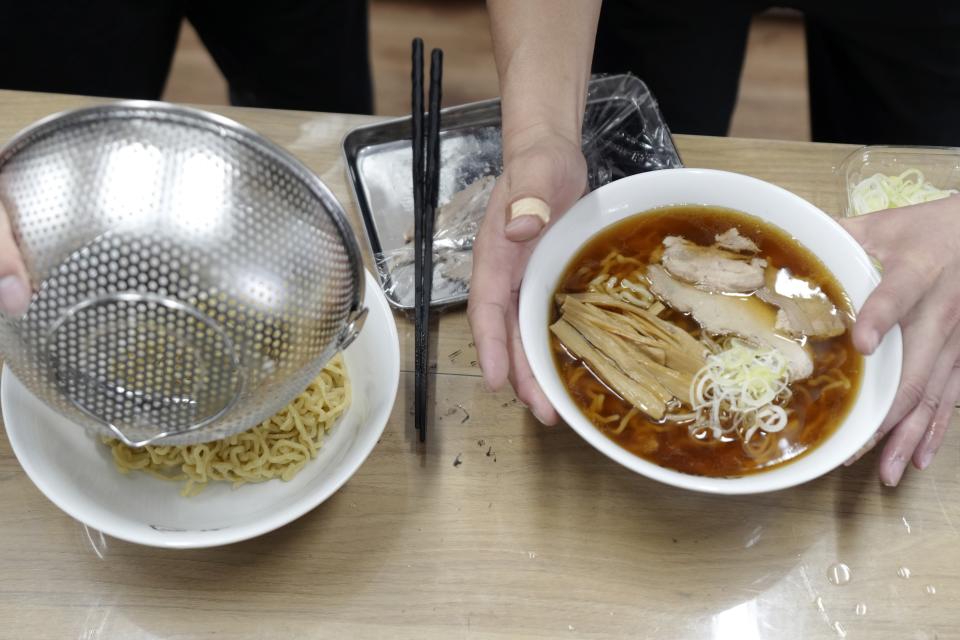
534,534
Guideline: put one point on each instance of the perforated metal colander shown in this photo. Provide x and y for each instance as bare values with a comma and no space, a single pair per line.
190,277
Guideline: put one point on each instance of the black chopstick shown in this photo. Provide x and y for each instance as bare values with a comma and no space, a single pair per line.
420,379
431,193
426,190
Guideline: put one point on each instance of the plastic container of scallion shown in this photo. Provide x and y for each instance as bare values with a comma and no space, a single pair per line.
883,177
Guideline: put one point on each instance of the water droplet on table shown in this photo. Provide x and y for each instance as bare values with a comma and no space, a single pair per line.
838,574
754,537
839,629
903,572
930,589
861,609
531,555
906,524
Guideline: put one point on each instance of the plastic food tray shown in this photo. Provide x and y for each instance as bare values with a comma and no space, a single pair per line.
940,166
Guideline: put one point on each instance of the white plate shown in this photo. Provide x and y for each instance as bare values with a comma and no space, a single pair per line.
809,225
76,472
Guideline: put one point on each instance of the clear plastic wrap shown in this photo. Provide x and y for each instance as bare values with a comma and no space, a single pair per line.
623,134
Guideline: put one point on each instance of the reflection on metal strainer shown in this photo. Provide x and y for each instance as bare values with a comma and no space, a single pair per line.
191,277
146,362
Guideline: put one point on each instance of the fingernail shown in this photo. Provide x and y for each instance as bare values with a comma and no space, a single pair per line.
897,465
537,416
14,295
530,207
524,227
926,459
872,339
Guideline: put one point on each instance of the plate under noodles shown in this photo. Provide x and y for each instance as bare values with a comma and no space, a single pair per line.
276,448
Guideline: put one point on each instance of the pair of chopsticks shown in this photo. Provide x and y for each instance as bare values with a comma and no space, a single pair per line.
426,189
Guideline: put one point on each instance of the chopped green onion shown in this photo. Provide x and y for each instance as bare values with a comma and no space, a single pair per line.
879,192
736,392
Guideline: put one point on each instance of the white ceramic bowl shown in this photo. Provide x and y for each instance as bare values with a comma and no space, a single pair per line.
808,224
77,473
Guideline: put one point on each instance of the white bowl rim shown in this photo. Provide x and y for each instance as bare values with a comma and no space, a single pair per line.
758,482
238,533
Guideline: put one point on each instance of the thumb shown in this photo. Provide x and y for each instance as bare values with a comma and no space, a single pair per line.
541,185
855,227
14,289
872,230
526,216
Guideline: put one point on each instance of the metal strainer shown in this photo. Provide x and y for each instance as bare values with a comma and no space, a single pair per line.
190,277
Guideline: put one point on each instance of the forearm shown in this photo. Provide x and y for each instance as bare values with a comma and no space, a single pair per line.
543,50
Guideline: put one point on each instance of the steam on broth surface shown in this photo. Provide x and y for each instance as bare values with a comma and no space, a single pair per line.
705,340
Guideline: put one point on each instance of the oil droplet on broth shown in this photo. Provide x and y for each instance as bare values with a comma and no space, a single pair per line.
861,609
838,574
930,589
903,572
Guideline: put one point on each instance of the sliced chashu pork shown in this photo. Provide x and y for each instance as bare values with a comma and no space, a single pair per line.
464,206
732,240
745,316
470,202
710,268
804,309
814,317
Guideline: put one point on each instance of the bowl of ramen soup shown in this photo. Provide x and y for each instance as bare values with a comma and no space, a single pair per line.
695,326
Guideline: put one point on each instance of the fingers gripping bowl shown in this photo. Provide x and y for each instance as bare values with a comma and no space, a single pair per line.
773,217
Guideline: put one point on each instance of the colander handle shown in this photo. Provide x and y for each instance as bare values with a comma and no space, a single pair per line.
352,329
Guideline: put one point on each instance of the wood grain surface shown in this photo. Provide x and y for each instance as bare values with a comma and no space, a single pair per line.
533,535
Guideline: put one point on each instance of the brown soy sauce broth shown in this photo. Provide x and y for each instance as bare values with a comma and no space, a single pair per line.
815,409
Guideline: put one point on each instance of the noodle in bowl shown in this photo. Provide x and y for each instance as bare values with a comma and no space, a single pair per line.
601,214
278,448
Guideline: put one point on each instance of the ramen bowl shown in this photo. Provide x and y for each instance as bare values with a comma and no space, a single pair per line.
77,473
808,225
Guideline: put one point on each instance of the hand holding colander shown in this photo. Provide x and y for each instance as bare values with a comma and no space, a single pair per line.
190,277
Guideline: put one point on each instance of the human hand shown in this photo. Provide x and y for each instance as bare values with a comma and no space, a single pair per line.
14,287
919,248
544,174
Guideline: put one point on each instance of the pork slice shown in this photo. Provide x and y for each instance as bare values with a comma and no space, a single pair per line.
745,316
457,265
732,240
710,268
469,202
814,317
464,207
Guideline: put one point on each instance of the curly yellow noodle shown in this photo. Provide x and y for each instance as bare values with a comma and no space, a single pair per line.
276,448
625,420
